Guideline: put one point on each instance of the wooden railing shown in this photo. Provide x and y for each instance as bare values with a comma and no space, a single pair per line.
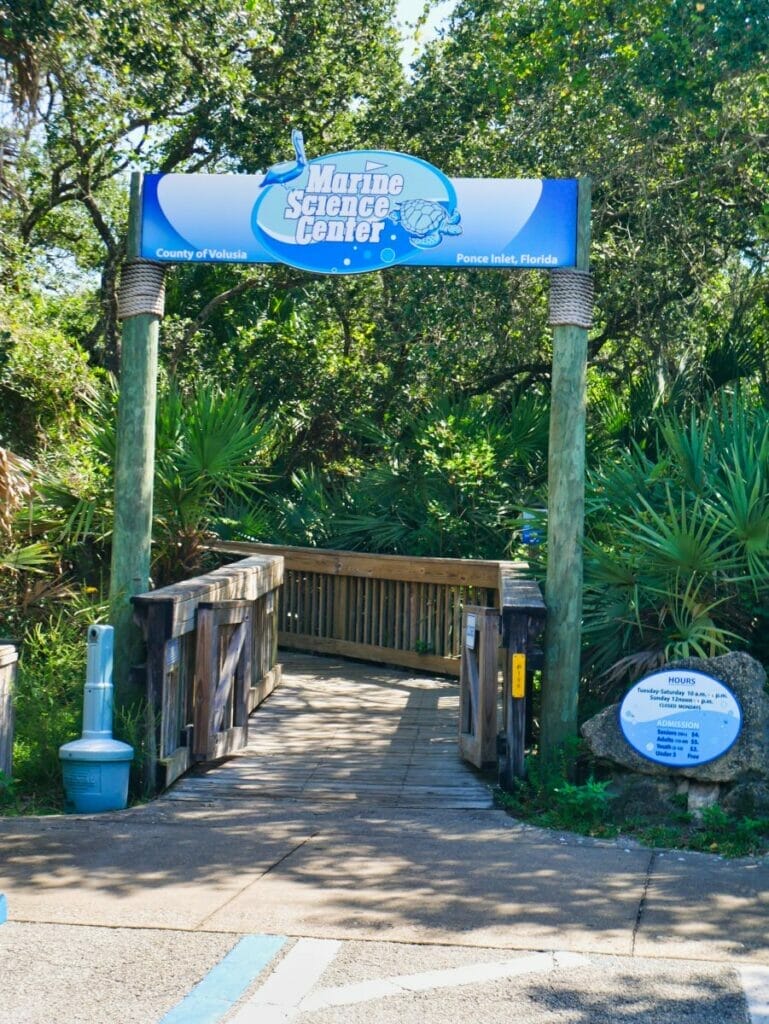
8,664
211,659
391,609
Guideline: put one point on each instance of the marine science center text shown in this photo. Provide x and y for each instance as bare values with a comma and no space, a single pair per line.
341,206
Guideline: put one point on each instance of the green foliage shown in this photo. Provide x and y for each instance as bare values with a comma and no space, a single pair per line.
48,704
716,832
546,798
579,808
677,542
98,87
29,558
131,725
210,449
449,483
673,147
46,384
8,792
731,837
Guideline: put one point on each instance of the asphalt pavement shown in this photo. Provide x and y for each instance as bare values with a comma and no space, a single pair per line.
246,901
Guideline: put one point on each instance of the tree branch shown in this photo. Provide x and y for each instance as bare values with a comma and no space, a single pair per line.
210,308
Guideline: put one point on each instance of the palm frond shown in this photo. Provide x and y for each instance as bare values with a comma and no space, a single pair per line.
690,449
686,539
35,557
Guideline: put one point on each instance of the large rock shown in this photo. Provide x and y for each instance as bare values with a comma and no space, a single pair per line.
748,798
747,759
638,798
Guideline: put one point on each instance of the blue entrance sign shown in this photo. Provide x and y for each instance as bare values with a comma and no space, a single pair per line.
353,212
680,718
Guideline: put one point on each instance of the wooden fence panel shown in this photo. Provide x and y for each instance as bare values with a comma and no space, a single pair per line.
387,608
222,678
479,687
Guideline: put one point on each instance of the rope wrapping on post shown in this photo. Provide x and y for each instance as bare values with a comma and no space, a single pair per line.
142,289
571,298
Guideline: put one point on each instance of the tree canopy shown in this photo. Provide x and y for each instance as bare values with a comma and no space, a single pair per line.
396,405
664,106
96,89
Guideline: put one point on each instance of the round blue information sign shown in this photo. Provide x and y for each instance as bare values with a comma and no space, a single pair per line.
680,717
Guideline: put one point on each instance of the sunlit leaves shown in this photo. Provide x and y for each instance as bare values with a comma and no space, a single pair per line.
666,106
684,536
105,87
678,565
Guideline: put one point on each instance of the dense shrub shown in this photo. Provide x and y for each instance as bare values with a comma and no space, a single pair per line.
677,542
48,703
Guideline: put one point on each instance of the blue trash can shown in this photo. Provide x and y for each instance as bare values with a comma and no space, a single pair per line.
96,767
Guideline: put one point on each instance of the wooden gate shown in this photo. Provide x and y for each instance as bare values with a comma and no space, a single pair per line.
478,686
201,687
222,678
522,619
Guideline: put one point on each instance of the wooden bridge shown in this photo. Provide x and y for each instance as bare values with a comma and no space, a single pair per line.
212,658
351,733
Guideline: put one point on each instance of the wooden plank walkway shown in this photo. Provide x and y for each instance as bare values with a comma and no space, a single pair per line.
343,731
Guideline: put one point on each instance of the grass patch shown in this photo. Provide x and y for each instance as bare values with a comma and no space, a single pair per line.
17,802
48,707
549,800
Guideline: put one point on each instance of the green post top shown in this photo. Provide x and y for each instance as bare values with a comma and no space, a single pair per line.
584,204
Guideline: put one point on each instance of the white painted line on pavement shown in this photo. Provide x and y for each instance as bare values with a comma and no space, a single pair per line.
755,982
452,977
278,999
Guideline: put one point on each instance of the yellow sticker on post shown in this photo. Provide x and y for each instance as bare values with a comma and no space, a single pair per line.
518,675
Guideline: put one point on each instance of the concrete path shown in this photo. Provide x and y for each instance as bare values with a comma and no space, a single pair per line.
353,847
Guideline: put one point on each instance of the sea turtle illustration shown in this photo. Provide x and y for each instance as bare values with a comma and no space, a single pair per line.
425,221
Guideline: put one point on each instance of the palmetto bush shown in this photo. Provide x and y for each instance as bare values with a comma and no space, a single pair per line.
15,490
677,543
211,448
449,484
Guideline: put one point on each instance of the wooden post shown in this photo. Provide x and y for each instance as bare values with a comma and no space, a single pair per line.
8,665
134,470
566,511
523,616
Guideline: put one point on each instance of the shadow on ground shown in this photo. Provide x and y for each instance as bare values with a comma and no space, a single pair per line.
348,869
